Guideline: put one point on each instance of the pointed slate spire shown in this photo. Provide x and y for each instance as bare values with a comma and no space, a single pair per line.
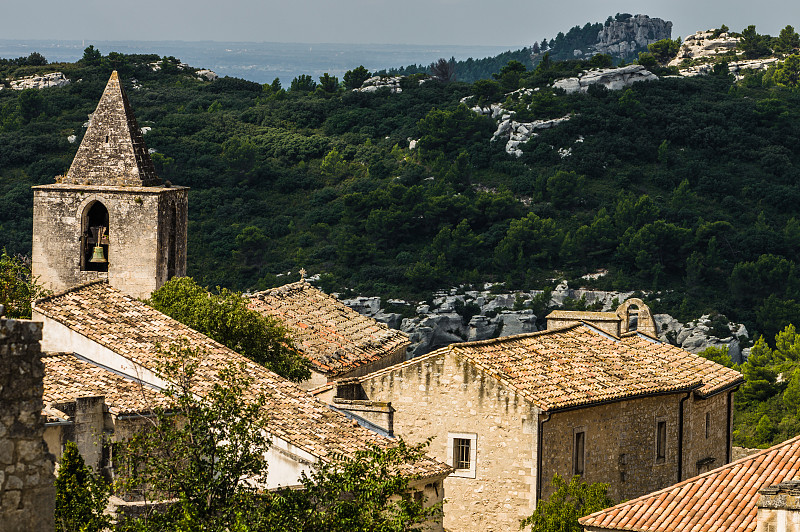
112,152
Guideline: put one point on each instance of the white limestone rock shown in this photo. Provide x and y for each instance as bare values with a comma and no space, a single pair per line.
206,75
610,78
46,81
375,83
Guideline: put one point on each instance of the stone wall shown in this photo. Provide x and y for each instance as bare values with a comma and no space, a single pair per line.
27,492
441,395
620,445
147,235
704,451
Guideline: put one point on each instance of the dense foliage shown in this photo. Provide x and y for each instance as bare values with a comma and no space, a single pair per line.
81,495
224,316
197,452
683,186
568,503
767,407
18,289
208,456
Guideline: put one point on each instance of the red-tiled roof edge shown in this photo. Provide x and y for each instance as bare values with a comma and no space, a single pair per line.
666,391
584,521
492,341
75,288
722,388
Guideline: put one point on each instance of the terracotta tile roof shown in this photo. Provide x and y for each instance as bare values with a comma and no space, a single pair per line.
579,365
67,377
722,500
133,330
716,377
333,336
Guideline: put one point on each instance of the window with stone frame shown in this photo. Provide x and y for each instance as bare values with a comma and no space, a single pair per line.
579,451
661,440
462,453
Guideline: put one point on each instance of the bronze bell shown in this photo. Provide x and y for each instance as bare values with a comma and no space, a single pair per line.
98,255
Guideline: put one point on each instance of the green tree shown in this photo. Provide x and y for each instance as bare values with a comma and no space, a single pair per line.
486,90
36,59
566,505
718,355
565,188
91,56
752,44
647,60
303,83
224,316
81,495
353,79
18,288
328,84
199,451
220,441
665,49
510,74
787,74
364,493
787,40
31,104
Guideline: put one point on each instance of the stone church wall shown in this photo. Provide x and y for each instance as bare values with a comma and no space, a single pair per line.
140,223
27,492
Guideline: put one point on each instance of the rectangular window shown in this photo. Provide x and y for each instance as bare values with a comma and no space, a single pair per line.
661,441
708,424
461,452
578,456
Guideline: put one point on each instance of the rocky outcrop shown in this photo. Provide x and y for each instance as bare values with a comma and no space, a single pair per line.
375,83
703,44
610,78
53,79
206,74
451,317
623,38
700,334
513,132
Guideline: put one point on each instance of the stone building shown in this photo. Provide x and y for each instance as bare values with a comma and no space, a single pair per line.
510,413
758,493
27,492
338,341
110,217
632,315
101,327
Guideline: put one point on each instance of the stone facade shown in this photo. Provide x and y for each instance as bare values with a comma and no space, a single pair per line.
146,236
779,507
518,445
27,492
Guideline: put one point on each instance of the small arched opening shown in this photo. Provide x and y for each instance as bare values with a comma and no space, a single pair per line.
94,256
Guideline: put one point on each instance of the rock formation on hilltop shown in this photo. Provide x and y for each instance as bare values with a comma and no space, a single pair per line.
625,37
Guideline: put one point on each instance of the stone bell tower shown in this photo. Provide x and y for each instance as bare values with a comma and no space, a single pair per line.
110,217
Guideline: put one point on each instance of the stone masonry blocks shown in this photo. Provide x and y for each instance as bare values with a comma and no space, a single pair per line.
27,492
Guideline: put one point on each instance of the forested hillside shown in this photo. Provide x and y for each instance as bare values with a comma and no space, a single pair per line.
684,186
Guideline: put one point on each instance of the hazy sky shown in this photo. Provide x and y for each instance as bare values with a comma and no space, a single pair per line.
479,22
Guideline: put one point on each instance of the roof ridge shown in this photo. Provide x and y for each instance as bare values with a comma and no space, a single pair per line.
716,471
492,341
66,291
281,288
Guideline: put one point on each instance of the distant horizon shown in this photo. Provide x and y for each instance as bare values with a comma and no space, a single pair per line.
367,22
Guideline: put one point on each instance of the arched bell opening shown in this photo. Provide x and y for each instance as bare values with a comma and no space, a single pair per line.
94,238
